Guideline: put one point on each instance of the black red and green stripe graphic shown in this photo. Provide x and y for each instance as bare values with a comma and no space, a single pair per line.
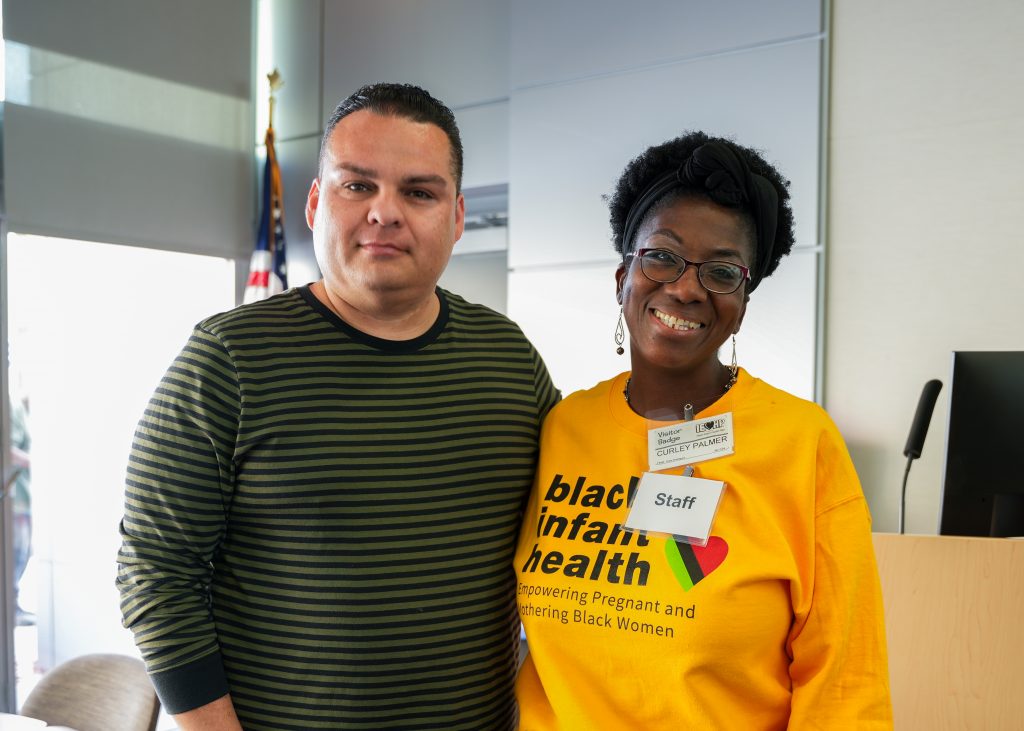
690,563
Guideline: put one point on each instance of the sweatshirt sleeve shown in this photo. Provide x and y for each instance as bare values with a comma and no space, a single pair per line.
840,670
177,494
547,394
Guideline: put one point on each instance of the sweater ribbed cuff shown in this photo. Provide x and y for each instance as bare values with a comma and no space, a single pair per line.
191,686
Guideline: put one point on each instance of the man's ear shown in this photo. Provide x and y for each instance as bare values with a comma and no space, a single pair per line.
460,215
312,201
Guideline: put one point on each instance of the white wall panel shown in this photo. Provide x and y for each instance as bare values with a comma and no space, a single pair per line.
485,141
68,85
483,241
456,49
194,42
777,340
570,142
480,278
80,179
556,40
569,314
294,37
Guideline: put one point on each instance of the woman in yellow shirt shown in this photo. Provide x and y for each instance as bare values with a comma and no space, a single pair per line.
766,615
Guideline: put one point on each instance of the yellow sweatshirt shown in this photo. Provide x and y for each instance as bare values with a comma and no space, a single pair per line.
776,623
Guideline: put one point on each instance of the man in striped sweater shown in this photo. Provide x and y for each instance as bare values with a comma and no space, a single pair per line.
324,493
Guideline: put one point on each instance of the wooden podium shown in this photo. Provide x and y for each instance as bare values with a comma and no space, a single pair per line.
954,618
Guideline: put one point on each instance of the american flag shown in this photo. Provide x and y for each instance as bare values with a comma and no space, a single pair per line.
268,270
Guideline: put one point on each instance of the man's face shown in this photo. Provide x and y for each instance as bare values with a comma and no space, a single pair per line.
384,212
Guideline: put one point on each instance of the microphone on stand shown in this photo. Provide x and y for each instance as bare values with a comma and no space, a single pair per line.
918,431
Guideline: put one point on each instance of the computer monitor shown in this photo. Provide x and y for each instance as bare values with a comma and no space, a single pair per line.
983,493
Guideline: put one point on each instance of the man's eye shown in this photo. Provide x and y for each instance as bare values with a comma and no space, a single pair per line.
420,194
357,187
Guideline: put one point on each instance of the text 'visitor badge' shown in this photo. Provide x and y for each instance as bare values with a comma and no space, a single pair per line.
687,442
682,506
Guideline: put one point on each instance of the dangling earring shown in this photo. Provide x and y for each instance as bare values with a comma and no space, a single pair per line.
620,335
733,367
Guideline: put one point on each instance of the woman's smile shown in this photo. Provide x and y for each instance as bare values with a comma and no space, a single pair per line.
676,323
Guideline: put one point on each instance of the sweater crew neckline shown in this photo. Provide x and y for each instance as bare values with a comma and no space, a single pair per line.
624,415
392,346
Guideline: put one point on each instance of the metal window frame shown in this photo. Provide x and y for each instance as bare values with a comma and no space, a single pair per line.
7,611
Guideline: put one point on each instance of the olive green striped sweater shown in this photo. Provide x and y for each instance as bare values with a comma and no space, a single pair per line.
322,523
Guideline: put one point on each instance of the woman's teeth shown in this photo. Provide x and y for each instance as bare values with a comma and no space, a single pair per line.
677,323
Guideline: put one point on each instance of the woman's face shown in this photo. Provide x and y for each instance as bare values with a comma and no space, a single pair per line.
680,325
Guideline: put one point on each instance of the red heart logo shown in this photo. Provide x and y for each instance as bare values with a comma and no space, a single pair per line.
691,564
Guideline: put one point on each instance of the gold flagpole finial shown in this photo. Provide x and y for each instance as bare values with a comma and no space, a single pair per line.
276,82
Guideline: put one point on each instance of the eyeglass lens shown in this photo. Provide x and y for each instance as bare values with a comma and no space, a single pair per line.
721,277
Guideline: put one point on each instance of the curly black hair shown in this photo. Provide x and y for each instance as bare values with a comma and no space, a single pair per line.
667,157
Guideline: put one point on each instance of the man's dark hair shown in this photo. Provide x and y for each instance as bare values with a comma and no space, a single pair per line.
400,100
657,161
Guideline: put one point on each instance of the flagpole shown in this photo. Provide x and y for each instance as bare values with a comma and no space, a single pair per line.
276,82
268,267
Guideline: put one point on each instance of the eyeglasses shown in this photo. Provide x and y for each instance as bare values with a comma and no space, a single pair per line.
720,277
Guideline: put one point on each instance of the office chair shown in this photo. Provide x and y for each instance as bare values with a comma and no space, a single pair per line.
96,693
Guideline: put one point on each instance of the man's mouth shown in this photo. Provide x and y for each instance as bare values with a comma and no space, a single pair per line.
381,247
677,323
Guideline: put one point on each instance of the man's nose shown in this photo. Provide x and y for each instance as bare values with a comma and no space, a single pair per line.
386,208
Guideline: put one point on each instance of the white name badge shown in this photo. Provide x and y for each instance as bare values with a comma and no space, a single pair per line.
682,506
687,442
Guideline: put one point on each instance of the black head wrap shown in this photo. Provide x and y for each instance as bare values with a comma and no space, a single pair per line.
728,181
